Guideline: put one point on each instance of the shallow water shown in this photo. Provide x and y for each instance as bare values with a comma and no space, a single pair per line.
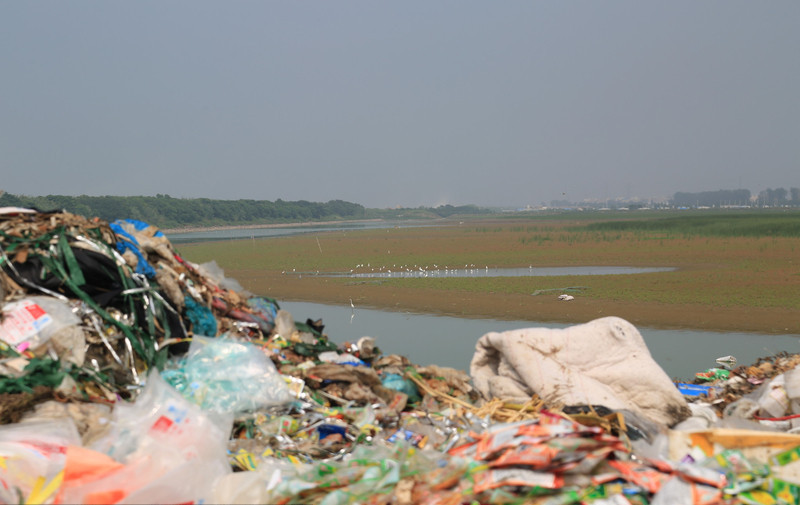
496,272
279,231
450,341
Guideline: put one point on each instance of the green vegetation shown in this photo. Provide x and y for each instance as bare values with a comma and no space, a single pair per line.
163,211
716,224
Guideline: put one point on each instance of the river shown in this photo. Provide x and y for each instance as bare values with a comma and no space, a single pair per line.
450,341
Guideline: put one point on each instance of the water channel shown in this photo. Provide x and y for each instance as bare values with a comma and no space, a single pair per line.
449,341
473,271
281,230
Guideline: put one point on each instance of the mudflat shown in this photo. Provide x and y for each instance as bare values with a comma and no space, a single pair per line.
520,307
720,283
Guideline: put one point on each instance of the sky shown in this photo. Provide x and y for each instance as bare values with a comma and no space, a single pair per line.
411,103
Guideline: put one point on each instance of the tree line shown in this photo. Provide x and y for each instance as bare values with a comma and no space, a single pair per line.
164,211
769,197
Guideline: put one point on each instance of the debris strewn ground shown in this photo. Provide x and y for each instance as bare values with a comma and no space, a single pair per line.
131,375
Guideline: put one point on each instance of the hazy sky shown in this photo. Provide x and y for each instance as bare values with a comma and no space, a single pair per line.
399,103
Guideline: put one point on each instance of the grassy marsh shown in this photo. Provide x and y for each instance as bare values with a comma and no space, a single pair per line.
735,271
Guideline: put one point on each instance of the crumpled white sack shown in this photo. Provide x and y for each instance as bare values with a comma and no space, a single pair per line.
603,362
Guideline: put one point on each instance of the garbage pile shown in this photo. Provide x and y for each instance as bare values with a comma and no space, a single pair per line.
131,375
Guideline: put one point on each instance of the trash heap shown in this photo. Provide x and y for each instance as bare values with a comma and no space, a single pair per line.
131,375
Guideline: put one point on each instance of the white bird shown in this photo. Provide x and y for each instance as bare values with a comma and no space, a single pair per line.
566,298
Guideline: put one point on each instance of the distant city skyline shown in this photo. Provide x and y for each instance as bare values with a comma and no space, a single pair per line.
411,103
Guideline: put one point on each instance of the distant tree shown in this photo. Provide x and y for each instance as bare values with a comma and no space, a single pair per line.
772,197
9,200
449,210
164,211
712,198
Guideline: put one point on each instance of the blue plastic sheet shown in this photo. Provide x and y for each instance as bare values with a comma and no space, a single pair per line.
265,310
127,242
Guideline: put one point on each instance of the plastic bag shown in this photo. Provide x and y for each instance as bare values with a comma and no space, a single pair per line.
127,242
284,324
152,477
171,449
160,416
266,310
32,456
192,481
217,275
398,383
32,321
344,358
254,486
227,376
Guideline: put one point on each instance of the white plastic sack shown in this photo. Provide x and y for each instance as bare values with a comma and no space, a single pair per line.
603,362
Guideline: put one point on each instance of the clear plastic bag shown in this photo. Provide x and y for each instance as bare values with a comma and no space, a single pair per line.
217,275
160,416
227,376
171,449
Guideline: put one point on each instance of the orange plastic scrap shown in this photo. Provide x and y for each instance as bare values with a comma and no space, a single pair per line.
534,432
493,441
643,476
703,475
604,478
580,454
466,449
705,495
705,484
583,443
495,478
587,463
491,447
678,490
83,466
533,456
550,425
425,497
